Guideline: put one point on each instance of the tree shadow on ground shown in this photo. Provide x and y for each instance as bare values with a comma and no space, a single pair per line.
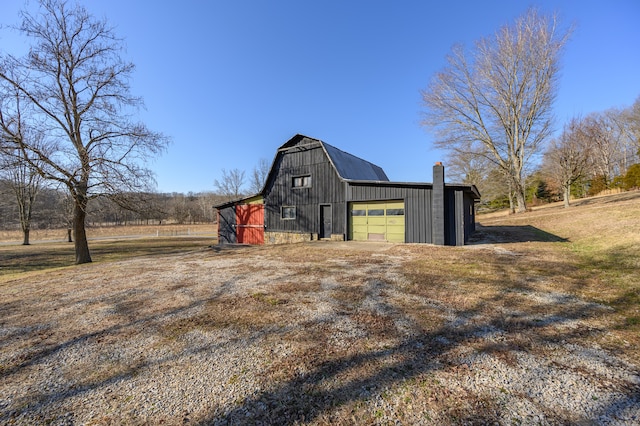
333,377
511,234
313,396
331,381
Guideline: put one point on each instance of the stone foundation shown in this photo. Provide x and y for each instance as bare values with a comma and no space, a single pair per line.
286,237
295,237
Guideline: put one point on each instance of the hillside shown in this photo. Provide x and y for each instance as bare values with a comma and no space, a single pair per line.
600,236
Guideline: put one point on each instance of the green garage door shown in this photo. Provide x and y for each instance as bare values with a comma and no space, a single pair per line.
377,221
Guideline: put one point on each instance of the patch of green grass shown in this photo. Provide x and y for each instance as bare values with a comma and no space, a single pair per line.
633,321
270,299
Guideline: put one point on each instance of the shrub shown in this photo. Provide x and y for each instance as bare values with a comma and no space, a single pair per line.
632,178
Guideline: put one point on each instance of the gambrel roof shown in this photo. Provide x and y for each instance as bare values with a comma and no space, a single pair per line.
348,166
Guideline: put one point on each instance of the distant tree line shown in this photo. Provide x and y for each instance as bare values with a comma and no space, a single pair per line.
52,209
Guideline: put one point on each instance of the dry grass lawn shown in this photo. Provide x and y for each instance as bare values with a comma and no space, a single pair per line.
106,232
536,322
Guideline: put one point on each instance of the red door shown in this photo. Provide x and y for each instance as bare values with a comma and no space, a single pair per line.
250,223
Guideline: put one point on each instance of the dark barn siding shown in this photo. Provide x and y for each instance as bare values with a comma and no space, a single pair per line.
326,188
226,225
455,224
470,216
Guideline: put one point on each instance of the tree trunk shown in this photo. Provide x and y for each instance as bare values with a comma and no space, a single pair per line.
519,194
567,194
512,206
25,233
522,203
81,244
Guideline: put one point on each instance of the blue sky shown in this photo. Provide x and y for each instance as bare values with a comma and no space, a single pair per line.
230,81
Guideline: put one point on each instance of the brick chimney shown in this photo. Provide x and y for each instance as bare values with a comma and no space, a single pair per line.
437,205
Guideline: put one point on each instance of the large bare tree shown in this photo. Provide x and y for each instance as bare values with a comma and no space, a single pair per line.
77,85
496,101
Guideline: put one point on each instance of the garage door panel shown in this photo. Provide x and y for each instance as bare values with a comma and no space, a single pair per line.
372,236
378,221
359,236
377,229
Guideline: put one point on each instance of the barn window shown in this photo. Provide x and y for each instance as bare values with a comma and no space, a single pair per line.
376,212
358,212
288,212
301,181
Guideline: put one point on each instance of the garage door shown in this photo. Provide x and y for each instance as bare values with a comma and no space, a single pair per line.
377,221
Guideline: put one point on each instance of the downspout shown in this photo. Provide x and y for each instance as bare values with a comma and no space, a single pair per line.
346,211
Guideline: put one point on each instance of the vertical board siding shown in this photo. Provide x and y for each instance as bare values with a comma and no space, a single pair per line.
227,225
450,217
469,217
326,188
459,213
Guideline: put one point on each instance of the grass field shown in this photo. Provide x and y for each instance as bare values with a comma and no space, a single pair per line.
102,232
599,239
536,321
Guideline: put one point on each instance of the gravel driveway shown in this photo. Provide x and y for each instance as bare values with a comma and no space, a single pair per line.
307,334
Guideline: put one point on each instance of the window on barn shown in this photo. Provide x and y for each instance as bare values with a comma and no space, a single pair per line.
376,212
288,212
301,181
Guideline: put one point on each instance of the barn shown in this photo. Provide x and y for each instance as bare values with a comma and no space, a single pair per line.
315,191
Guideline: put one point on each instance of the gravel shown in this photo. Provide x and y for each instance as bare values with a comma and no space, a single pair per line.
109,345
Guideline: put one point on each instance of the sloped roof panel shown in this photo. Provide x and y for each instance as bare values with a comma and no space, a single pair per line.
352,167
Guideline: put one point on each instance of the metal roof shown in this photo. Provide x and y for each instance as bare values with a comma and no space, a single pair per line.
351,167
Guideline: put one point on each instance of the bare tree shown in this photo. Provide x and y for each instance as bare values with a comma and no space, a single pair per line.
25,183
23,178
77,85
634,122
496,101
259,176
231,183
625,130
604,146
567,158
628,120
